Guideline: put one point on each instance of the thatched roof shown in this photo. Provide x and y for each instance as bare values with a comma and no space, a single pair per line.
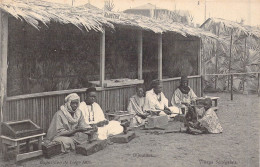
227,26
37,11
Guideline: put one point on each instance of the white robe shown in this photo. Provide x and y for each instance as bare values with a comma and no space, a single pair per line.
94,114
158,102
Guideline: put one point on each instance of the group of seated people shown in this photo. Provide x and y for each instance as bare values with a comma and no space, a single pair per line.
201,117
71,124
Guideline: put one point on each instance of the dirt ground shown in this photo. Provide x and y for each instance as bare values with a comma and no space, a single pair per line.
237,146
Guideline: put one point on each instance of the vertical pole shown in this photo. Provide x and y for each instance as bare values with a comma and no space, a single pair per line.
216,65
3,64
258,85
201,84
245,58
3,59
160,56
231,87
199,58
230,55
102,58
140,55
200,66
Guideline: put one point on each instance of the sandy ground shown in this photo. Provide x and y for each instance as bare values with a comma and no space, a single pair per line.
238,145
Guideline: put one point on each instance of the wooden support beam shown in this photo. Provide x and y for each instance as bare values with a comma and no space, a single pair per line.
3,61
160,56
200,67
230,56
140,54
258,84
231,87
216,65
102,58
201,84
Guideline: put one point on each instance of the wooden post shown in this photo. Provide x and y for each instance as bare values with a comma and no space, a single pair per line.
258,85
201,84
230,55
216,65
3,65
231,87
160,56
199,58
140,55
102,58
3,60
244,76
200,67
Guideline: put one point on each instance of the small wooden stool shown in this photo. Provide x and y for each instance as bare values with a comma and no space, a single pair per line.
7,141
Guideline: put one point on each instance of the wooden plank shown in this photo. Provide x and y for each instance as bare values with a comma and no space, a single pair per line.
140,54
23,138
160,56
20,157
102,58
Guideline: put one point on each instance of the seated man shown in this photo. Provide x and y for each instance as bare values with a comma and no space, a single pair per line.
68,125
183,95
94,116
205,119
155,100
135,106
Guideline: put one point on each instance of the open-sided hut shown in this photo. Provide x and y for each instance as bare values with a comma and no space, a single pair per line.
49,50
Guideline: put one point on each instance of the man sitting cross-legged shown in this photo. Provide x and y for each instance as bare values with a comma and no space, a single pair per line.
94,116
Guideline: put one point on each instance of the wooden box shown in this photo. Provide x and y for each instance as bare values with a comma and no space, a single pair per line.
91,148
19,129
51,149
123,138
156,121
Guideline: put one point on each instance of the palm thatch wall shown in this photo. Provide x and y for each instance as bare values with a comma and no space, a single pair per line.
245,53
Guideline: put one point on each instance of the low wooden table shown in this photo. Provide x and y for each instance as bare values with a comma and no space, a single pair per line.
120,116
7,141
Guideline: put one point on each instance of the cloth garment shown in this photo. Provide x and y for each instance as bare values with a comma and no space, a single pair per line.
93,114
63,121
158,102
135,107
179,97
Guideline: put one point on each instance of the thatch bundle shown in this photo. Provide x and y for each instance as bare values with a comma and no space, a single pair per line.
228,26
86,18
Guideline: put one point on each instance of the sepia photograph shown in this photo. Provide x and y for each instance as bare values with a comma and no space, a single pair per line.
129,83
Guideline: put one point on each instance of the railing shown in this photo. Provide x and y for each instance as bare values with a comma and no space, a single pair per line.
231,79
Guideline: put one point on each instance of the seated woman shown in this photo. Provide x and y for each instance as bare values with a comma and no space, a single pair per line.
135,106
94,116
183,95
68,125
205,120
